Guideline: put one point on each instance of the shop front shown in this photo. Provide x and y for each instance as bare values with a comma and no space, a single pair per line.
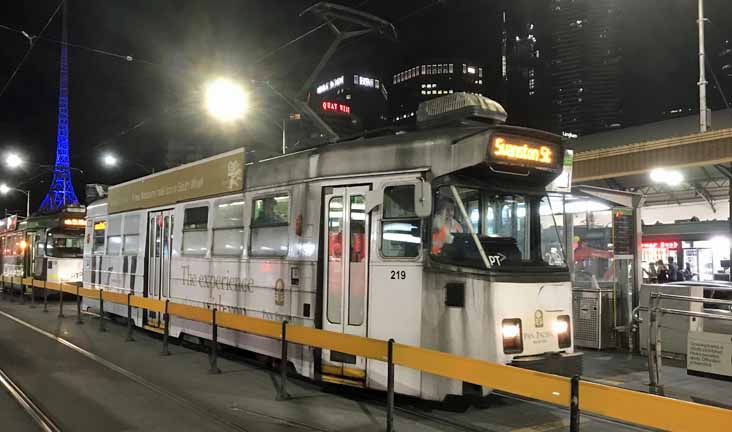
703,245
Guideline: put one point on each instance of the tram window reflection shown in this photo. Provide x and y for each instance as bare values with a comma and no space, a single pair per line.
270,230
335,256
195,231
228,228
100,228
401,228
357,263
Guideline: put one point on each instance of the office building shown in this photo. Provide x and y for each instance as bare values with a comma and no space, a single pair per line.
422,81
586,66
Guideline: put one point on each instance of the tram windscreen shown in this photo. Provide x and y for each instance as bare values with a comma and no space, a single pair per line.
512,230
64,245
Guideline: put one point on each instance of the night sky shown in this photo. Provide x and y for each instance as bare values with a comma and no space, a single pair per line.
135,108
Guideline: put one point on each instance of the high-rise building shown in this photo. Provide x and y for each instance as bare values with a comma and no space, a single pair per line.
524,80
586,65
426,80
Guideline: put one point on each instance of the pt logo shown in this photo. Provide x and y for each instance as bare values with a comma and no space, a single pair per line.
538,318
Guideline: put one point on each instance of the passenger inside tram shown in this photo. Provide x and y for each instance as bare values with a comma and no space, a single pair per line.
267,215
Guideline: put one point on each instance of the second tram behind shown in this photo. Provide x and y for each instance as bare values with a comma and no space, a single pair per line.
436,238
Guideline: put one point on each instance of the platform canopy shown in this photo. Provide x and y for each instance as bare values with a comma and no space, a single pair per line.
623,159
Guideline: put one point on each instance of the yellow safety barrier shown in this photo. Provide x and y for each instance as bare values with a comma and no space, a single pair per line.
147,303
114,297
194,313
356,345
651,410
524,382
613,402
258,326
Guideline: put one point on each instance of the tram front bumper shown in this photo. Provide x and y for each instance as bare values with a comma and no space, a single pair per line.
565,364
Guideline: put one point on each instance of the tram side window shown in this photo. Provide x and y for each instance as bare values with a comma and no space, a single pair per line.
114,235
131,240
195,231
100,228
400,228
228,228
270,216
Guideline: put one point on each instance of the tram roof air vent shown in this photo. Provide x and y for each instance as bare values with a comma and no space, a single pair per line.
460,108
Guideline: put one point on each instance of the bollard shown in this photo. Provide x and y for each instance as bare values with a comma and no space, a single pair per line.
166,332
214,353
390,386
61,302
130,322
78,307
652,376
32,295
282,390
101,311
45,297
574,411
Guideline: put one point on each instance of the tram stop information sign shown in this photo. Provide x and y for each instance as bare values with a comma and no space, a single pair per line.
709,353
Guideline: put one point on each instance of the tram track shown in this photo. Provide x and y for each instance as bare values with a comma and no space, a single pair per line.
42,419
225,421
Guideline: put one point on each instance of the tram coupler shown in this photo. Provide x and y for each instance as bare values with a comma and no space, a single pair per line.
214,352
78,307
282,390
166,330
130,322
101,311
390,386
574,411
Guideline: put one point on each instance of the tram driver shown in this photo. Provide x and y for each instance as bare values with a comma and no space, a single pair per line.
444,224
268,215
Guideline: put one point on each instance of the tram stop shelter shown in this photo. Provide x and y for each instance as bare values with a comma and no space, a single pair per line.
684,178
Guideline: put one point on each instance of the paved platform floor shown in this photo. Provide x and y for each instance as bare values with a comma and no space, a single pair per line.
178,393
631,371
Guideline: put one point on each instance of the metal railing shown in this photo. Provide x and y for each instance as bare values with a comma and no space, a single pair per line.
655,362
572,393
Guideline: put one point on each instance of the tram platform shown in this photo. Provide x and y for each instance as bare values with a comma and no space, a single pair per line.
245,392
630,371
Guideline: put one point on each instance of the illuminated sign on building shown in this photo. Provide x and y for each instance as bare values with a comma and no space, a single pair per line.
365,81
330,85
672,245
75,222
335,107
520,150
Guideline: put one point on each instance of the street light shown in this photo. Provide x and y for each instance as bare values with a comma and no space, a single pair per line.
226,100
669,177
12,160
109,160
4,189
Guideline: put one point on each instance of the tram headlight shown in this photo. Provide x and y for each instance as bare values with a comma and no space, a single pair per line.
562,330
512,336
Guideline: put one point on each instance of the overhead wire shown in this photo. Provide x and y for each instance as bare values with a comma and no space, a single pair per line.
31,40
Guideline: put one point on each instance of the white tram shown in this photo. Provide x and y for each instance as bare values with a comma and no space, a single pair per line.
432,237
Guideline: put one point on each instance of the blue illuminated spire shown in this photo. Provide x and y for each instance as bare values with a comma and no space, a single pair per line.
62,192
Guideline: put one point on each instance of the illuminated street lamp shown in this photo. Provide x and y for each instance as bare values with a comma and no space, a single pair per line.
109,160
12,160
4,189
226,100
669,177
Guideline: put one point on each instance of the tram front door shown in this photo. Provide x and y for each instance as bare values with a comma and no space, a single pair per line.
345,270
160,243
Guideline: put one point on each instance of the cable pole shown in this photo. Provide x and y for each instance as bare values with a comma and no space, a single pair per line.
703,110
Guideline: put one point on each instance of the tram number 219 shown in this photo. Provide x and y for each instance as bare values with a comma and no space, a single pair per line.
398,274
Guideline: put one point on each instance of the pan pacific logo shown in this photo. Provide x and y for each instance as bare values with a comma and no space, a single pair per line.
538,319
234,174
